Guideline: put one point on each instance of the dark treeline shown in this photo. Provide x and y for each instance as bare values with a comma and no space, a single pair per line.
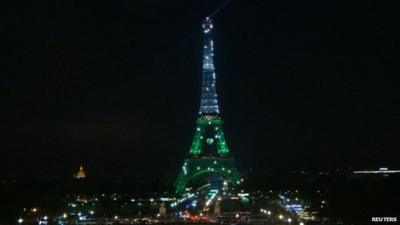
351,199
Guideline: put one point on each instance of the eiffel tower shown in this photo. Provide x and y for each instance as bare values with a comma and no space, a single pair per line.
209,154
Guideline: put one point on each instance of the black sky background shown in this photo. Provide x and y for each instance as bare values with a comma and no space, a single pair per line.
115,85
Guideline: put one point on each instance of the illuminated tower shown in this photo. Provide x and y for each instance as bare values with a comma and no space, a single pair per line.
209,154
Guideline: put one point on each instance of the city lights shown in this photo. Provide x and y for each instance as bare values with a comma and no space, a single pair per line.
112,87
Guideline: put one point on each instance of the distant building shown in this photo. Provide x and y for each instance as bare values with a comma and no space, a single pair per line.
382,170
163,210
81,174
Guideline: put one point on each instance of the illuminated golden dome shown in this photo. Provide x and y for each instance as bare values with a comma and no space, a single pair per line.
80,174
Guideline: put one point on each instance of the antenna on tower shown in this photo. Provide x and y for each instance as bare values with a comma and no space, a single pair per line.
219,8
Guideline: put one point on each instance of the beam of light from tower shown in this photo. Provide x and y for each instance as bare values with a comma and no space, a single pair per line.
219,8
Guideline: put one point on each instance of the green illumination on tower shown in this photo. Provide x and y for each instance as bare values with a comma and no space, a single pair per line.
209,153
209,132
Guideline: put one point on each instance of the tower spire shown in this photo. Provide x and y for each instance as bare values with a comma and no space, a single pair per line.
209,98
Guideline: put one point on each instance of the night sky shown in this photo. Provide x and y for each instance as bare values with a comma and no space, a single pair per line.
115,85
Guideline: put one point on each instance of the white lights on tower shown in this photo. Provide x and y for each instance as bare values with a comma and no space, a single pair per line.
208,103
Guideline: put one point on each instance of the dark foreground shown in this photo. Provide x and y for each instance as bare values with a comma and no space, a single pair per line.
334,197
